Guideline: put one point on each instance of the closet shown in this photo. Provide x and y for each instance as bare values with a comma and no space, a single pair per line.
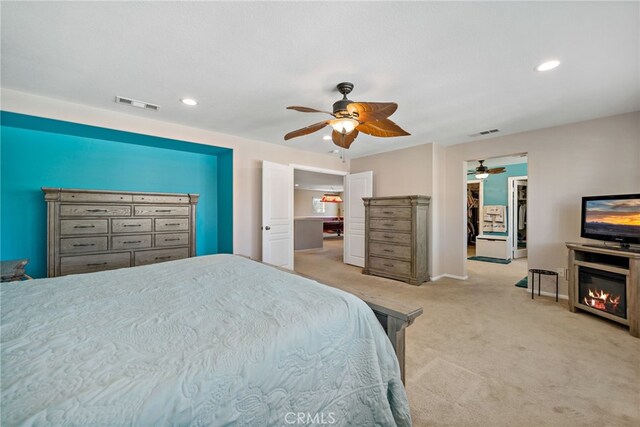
473,212
519,215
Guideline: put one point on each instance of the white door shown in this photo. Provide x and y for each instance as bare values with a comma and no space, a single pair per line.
277,214
356,186
518,216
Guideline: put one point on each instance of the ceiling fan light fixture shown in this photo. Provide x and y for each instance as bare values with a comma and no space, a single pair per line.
344,126
482,175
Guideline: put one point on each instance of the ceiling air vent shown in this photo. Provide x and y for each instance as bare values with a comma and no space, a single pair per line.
136,103
484,132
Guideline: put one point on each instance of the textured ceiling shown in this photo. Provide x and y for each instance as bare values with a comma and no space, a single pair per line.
454,68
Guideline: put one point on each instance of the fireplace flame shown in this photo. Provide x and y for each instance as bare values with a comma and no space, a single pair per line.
602,300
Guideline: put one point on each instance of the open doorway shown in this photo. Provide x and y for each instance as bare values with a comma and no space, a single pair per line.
496,212
318,215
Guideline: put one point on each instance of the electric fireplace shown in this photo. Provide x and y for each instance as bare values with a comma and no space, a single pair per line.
605,281
603,290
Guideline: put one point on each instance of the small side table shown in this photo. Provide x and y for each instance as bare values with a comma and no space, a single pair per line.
13,270
540,272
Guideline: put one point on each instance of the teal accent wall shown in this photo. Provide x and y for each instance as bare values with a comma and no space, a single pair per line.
496,187
37,152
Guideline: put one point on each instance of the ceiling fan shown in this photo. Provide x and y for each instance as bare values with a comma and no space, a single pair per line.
351,118
481,172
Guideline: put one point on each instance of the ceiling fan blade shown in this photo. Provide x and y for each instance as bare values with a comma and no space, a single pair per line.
384,128
371,111
344,141
307,110
305,131
496,170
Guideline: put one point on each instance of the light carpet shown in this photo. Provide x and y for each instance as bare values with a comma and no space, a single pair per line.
483,353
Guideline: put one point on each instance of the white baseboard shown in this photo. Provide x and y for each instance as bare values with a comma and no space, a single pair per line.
546,294
450,276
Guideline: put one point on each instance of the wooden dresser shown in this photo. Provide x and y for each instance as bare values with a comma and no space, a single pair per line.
396,238
91,230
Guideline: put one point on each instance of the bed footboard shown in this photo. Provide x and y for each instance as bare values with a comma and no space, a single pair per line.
394,318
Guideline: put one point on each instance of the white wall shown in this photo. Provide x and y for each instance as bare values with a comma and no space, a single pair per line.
302,205
247,154
400,172
594,157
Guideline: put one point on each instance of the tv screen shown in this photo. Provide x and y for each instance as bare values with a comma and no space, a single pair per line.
612,218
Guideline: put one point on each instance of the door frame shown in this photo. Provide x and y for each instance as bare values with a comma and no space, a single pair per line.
513,236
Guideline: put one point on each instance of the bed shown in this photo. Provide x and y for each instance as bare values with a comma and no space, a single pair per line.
212,340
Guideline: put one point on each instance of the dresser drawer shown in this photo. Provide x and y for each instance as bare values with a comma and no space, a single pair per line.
131,242
390,224
142,210
172,239
83,226
394,251
90,263
173,224
94,210
83,244
391,202
390,212
160,255
95,198
390,237
150,198
392,266
134,225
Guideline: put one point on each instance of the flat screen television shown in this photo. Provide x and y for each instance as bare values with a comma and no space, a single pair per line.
613,218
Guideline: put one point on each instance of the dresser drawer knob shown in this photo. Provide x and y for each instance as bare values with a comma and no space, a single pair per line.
388,265
387,237
389,250
389,212
132,225
95,264
173,223
163,257
388,225
96,210
84,226
131,242
171,240
78,245
163,210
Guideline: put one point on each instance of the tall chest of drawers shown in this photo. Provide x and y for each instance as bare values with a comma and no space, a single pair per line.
93,230
396,238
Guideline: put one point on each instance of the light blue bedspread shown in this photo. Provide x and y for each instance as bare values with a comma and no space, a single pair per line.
214,340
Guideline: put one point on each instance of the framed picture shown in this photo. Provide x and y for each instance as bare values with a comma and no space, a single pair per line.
317,205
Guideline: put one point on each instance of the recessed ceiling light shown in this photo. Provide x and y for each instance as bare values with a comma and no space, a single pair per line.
326,137
549,65
189,101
